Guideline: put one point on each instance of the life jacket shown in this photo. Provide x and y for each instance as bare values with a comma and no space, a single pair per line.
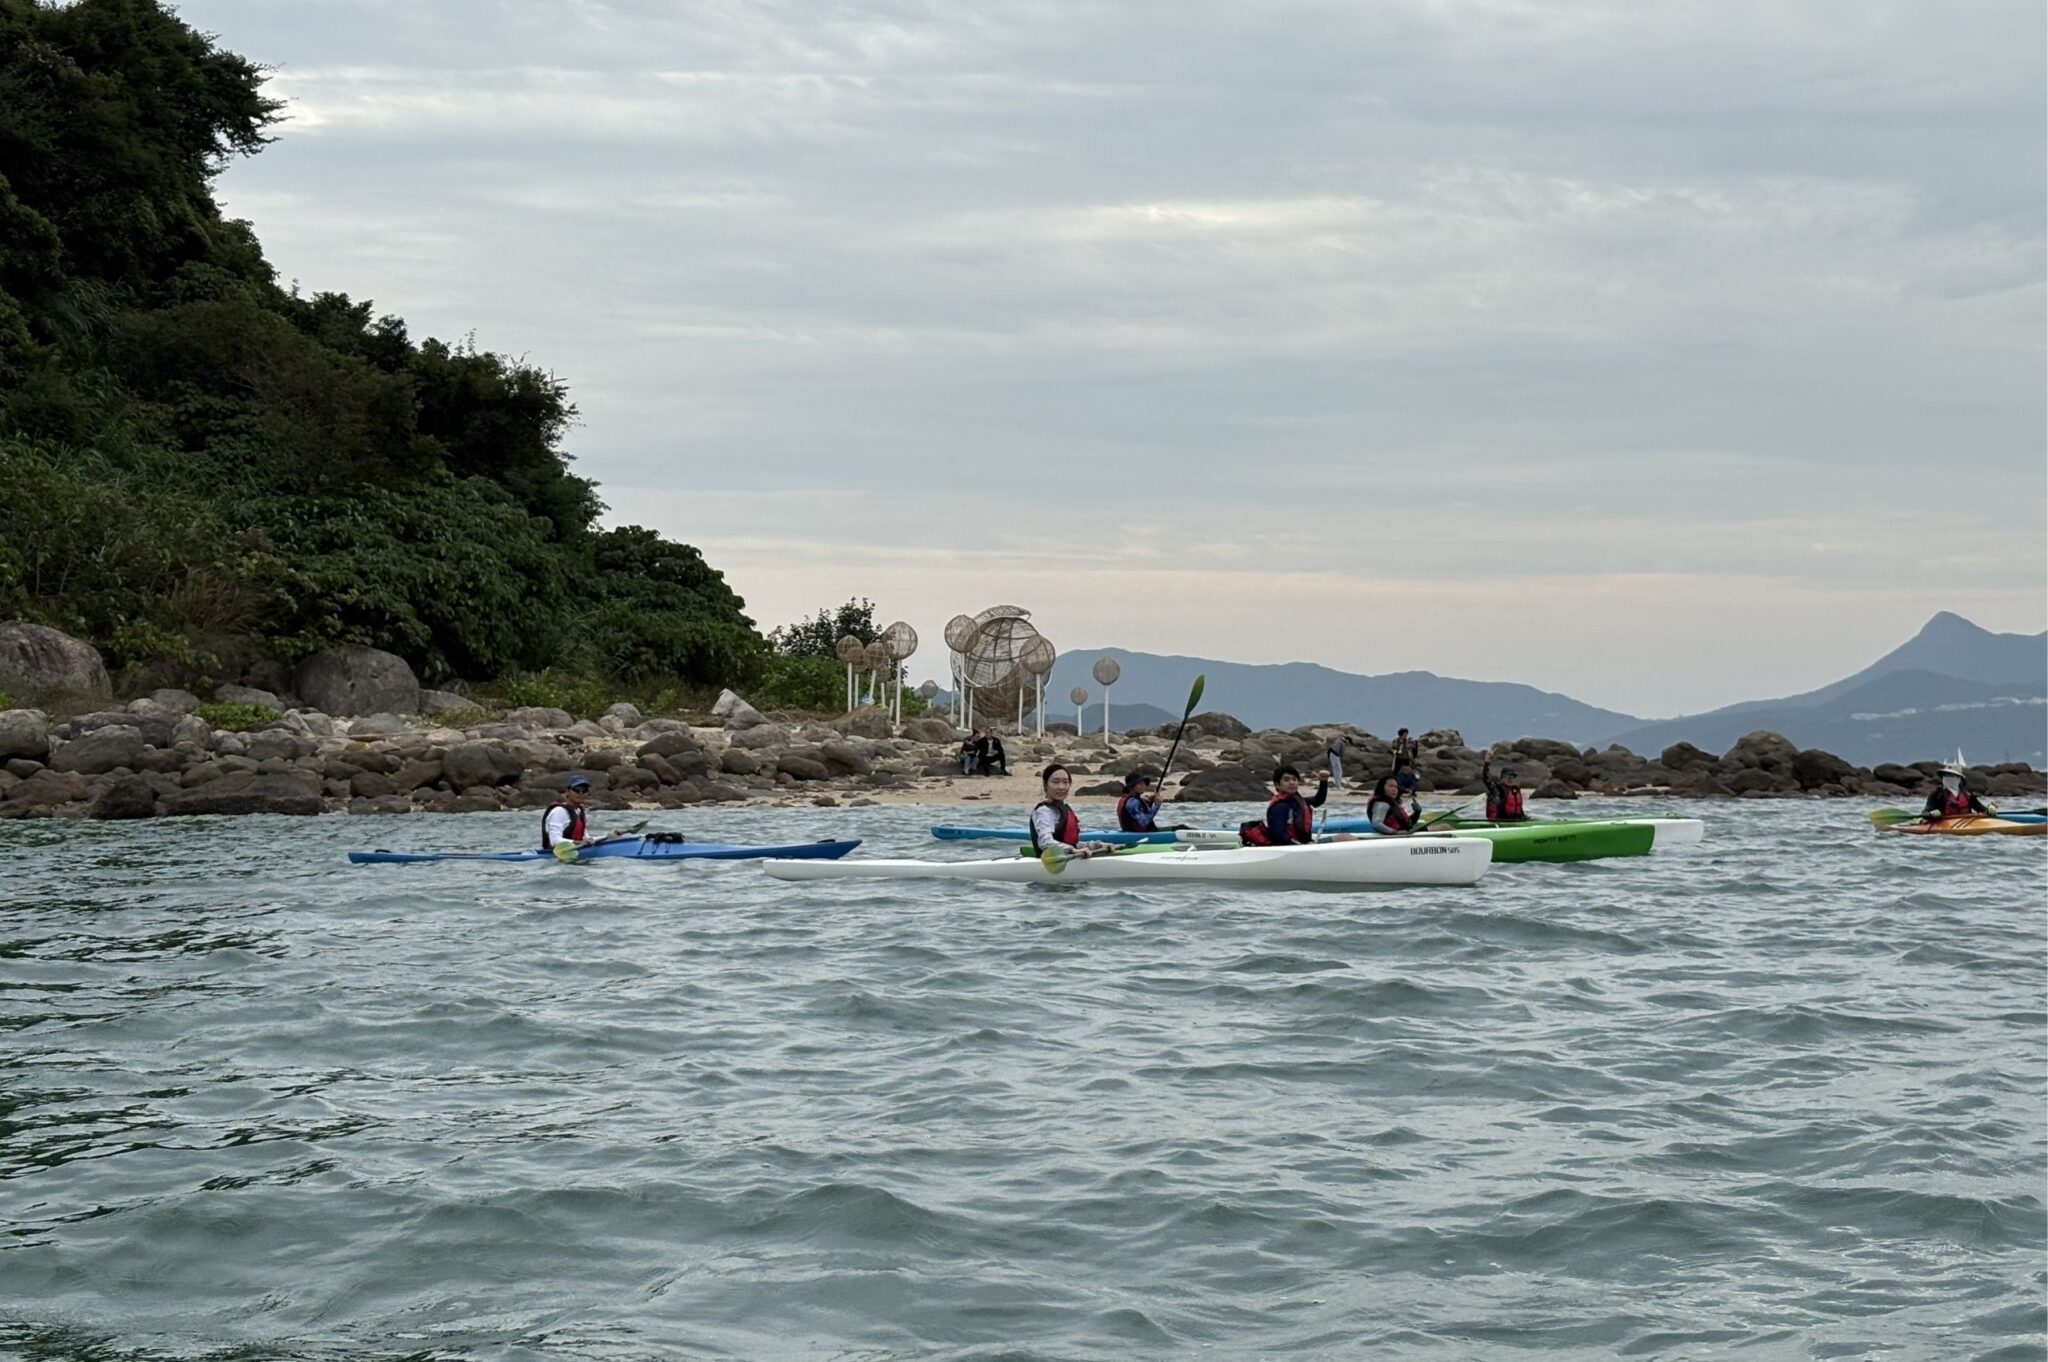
1954,802
574,832
1070,824
1259,832
1503,805
1134,814
1396,816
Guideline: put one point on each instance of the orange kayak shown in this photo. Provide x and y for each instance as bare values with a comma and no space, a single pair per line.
1974,825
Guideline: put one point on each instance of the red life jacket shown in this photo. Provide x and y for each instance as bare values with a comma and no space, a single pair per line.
574,832
1504,805
1131,813
1260,832
1955,803
1070,824
1396,816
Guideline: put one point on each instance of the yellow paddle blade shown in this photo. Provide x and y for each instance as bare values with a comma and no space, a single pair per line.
1055,859
1890,818
565,852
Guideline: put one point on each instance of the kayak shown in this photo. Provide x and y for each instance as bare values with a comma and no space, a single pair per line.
1668,833
621,849
1373,863
1164,837
1975,825
1593,841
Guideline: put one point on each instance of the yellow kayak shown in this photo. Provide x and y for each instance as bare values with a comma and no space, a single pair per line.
1974,825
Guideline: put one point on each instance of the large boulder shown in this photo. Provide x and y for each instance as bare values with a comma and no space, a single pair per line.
737,713
439,702
670,745
925,728
871,722
762,738
296,792
100,751
1814,768
358,681
41,663
1216,724
24,733
1762,751
1225,785
539,716
1683,756
232,694
170,698
127,797
479,763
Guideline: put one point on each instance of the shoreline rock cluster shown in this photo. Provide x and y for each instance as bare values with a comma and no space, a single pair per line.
361,736
155,757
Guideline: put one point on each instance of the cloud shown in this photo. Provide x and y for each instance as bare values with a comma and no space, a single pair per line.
1475,291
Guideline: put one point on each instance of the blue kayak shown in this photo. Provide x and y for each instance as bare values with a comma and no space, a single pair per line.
1115,839
625,849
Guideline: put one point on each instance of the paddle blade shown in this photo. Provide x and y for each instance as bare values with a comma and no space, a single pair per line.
1890,818
1194,697
565,852
1055,859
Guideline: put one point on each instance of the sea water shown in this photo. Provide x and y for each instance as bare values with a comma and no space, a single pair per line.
1781,1096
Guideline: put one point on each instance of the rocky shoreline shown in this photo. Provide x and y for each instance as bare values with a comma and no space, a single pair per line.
155,757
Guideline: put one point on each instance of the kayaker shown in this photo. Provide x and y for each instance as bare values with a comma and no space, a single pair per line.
1053,823
1952,798
1503,796
1138,809
1390,812
1290,819
563,820
1406,778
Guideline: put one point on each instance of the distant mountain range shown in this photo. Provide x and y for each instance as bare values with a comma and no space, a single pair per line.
1952,684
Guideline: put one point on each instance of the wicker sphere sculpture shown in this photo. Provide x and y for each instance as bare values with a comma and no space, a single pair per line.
928,689
1038,655
1079,695
852,651
959,632
988,662
902,640
1106,671
878,657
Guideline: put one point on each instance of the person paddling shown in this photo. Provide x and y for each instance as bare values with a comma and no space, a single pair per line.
1290,819
563,820
1952,798
1390,813
1503,796
1053,822
1138,809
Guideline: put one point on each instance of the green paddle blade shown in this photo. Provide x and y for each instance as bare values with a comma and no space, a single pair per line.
1055,859
565,852
1890,818
1194,696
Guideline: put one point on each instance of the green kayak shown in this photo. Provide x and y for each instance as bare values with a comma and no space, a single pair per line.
1589,841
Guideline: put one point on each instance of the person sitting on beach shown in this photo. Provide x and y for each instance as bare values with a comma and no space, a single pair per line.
1138,810
993,760
1390,812
1290,819
1952,798
1053,822
1503,796
970,754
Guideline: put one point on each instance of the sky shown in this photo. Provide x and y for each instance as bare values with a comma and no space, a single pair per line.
1665,355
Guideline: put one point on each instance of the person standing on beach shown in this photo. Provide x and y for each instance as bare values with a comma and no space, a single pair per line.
1405,749
1335,753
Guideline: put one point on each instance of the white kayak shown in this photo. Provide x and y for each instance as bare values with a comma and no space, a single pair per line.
1674,834
1363,864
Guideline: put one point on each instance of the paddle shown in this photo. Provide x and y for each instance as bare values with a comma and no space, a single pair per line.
1194,698
1432,819
1891,818
567,852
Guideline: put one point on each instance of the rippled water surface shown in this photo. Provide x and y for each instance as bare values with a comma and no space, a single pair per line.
1782,1096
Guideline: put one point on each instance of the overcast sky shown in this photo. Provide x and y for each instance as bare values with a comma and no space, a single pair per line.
1663,354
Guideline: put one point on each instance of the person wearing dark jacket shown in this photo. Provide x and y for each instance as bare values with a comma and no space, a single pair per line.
1138,809
1290,818
1503,796
1952,798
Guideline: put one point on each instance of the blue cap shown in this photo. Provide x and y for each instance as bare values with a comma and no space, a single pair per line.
576,783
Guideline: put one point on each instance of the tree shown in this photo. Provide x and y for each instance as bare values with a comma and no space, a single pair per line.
819,635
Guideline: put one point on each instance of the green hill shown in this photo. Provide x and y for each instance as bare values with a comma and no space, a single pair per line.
200,469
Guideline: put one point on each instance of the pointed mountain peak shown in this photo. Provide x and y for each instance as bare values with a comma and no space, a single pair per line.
1947,624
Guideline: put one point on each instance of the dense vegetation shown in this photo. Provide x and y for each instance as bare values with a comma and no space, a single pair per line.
200,469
